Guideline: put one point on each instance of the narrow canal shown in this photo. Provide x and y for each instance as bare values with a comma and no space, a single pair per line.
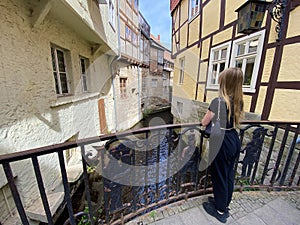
106,194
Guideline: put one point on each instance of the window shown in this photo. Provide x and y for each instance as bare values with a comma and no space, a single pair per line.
194,7
181,74
128,33
141,48
146,51
154,83
59,71
83,66
136,4
134,38
111,13
160,57
123,91
179,107
219,57
246,54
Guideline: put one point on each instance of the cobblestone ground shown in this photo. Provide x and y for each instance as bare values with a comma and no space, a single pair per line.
242,204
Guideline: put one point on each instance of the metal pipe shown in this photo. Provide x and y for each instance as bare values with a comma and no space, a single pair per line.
115,59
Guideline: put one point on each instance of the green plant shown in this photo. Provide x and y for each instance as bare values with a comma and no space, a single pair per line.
152,214
146,113
91,169
84,219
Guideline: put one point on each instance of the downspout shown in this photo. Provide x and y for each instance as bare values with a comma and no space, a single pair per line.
139,86
139,95
115,59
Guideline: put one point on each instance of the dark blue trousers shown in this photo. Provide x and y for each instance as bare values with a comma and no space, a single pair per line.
222,170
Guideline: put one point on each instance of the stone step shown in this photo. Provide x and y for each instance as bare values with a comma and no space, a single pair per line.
36,210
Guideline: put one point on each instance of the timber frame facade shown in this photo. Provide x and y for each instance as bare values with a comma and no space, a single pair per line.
205,41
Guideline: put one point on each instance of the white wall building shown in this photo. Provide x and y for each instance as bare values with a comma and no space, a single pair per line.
55,79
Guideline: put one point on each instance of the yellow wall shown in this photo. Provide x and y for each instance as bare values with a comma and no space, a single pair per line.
194,30
176,18
283,102
203,71
211,95
205,49
231,6
268,64
201,89
261,100
183,36
222,36
290,63
184,11
247,103
191,63
293,27
273,35
211,17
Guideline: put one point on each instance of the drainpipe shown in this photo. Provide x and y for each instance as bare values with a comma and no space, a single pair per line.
115,59
139,95
139,86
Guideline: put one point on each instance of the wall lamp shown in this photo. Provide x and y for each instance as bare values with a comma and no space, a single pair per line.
251,15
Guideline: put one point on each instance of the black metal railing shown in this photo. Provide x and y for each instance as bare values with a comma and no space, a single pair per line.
140,170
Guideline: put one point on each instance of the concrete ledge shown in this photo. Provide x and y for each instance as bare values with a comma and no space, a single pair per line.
74,172
36,210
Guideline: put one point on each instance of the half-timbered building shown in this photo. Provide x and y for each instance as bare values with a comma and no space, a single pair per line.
208,36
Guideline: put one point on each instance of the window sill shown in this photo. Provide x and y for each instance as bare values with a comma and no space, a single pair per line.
245,90
72,99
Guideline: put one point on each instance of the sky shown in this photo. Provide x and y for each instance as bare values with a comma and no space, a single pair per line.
157,14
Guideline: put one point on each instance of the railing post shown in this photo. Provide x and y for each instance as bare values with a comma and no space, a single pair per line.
42,189
289,157
265,171
86,183
66,187
286,132
15,193
158,144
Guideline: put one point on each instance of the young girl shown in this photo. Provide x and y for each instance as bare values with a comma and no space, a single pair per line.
229,106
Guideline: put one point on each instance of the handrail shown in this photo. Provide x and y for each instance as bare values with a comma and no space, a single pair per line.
275,165
20,155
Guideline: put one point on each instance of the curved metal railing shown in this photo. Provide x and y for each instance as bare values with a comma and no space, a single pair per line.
140,170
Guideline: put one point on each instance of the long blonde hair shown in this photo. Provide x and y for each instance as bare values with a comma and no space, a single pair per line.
231,89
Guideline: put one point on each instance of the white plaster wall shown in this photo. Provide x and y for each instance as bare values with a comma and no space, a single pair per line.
31,114
89,12
128,109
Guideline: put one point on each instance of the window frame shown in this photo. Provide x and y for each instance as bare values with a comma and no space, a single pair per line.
220,60
134,38
56,70
191,16
181,72
111,14
128,33
154,82
247,39
84,74
123,89
179,106
160,57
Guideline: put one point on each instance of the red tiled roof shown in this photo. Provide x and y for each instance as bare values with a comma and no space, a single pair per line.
173,4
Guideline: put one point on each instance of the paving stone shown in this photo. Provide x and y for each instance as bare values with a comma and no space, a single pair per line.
259,208
158,215
251,219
